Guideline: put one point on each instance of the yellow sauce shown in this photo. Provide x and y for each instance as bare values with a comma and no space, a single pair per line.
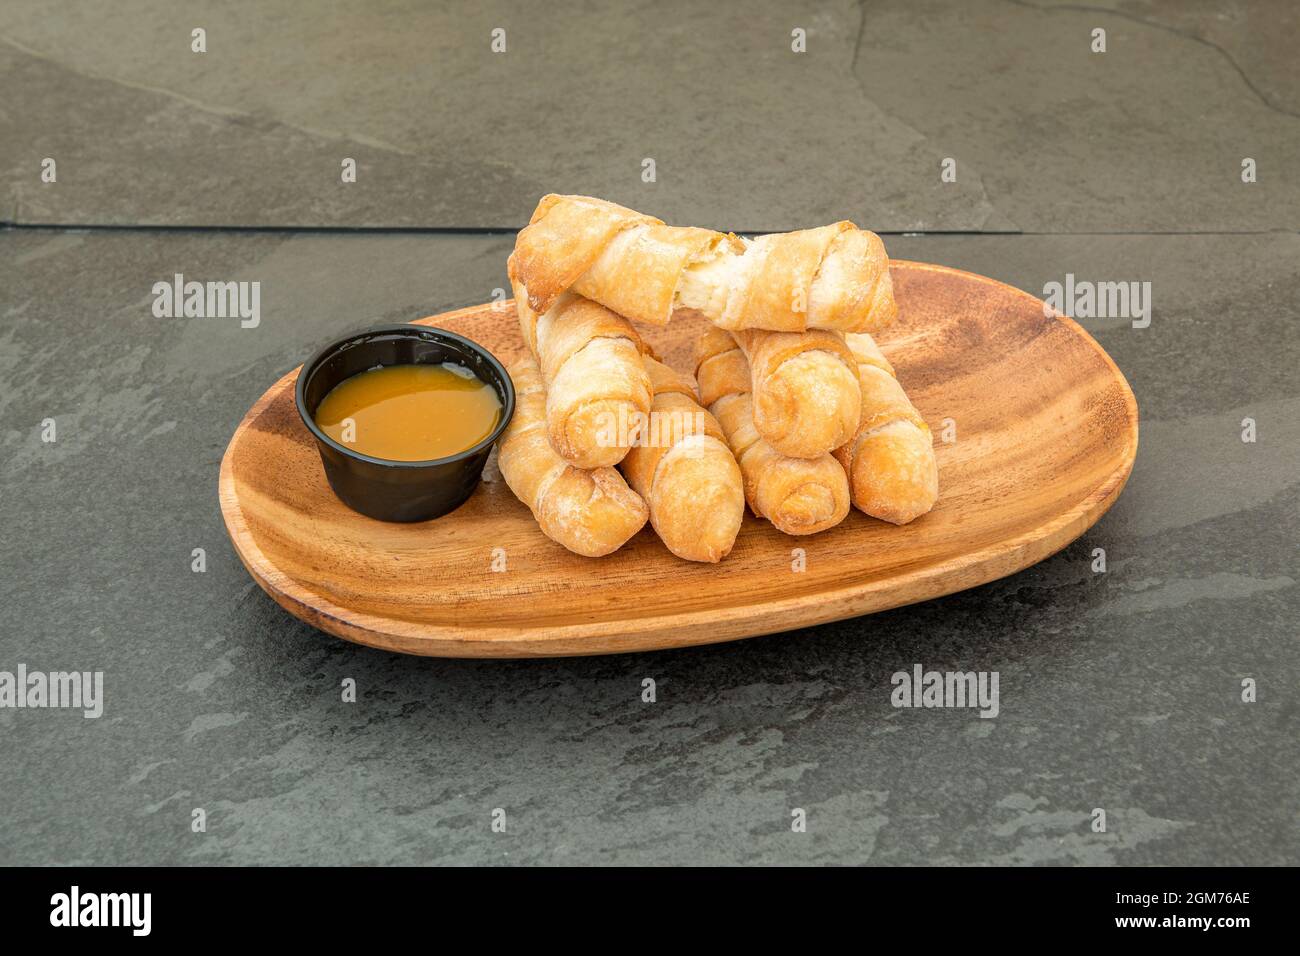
410,412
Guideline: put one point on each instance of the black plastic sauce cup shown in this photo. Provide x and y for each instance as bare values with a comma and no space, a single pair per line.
400,490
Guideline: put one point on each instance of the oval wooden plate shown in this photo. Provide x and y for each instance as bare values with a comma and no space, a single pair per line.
1046,432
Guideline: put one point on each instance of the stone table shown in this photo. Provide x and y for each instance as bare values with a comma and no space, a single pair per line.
1119,690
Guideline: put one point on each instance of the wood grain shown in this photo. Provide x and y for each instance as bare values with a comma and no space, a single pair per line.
1047,431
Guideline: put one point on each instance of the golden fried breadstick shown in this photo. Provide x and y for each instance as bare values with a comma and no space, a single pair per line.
890,459
807,399
685,471
798,495
591,513
590,360
831,277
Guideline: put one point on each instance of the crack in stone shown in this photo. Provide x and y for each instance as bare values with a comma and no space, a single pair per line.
1157,25
235,116
862,86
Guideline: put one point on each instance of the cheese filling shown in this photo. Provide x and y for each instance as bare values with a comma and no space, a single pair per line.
706,284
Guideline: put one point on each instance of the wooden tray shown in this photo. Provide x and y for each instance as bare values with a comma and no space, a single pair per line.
1046,432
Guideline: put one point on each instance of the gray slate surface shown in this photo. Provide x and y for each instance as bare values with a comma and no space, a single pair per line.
746,135
1118,690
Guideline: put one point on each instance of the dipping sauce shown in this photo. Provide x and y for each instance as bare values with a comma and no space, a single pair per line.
410,412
